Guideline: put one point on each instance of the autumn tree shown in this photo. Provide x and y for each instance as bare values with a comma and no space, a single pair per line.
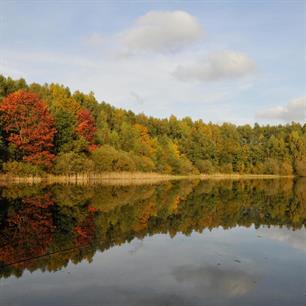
168,145
86,126
28,127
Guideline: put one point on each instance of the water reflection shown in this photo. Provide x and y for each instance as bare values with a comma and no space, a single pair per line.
249,229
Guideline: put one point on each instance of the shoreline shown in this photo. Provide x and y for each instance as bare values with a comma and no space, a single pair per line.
127,177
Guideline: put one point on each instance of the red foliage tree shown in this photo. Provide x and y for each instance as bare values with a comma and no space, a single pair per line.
86,126
28,125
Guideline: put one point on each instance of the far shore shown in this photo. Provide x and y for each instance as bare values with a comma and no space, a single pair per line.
126,178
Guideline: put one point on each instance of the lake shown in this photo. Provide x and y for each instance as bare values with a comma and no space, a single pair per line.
186,242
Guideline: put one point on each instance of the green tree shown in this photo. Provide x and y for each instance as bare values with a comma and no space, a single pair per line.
72,163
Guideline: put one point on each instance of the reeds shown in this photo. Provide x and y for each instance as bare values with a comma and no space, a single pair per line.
238,176
122,178
91,178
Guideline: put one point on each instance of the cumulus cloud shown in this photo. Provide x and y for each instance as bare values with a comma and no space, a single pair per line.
162,31
216,66
295,110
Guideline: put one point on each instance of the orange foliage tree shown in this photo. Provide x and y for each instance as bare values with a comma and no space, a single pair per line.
29,126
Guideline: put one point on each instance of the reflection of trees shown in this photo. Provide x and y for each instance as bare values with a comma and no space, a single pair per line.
73,222
28,231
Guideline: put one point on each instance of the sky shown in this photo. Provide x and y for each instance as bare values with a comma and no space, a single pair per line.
220,61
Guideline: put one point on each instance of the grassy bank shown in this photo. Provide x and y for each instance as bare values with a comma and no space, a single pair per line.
124,178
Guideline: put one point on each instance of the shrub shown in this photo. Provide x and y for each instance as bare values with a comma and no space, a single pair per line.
258,168
107,159
285,168
205,166
143,163
300,166
72,163
271,166
186,166
77,146
123,162
22,169
103,158
226,168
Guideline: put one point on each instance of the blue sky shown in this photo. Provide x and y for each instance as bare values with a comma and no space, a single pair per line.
238,61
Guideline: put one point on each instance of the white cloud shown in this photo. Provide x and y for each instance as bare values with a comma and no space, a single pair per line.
95,40
162,31
216,66
139,83
295,110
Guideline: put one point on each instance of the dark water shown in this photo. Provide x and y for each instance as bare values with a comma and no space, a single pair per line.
182,243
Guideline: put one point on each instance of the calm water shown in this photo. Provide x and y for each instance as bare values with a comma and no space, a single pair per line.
182,243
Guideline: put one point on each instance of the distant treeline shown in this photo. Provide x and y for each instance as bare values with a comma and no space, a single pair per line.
46,128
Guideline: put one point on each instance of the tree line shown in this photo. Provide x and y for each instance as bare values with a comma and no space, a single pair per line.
47,128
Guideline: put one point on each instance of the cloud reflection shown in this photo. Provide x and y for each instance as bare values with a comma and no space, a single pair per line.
211,280
296,239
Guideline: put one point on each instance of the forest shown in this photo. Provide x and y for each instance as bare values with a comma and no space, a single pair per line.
49,129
